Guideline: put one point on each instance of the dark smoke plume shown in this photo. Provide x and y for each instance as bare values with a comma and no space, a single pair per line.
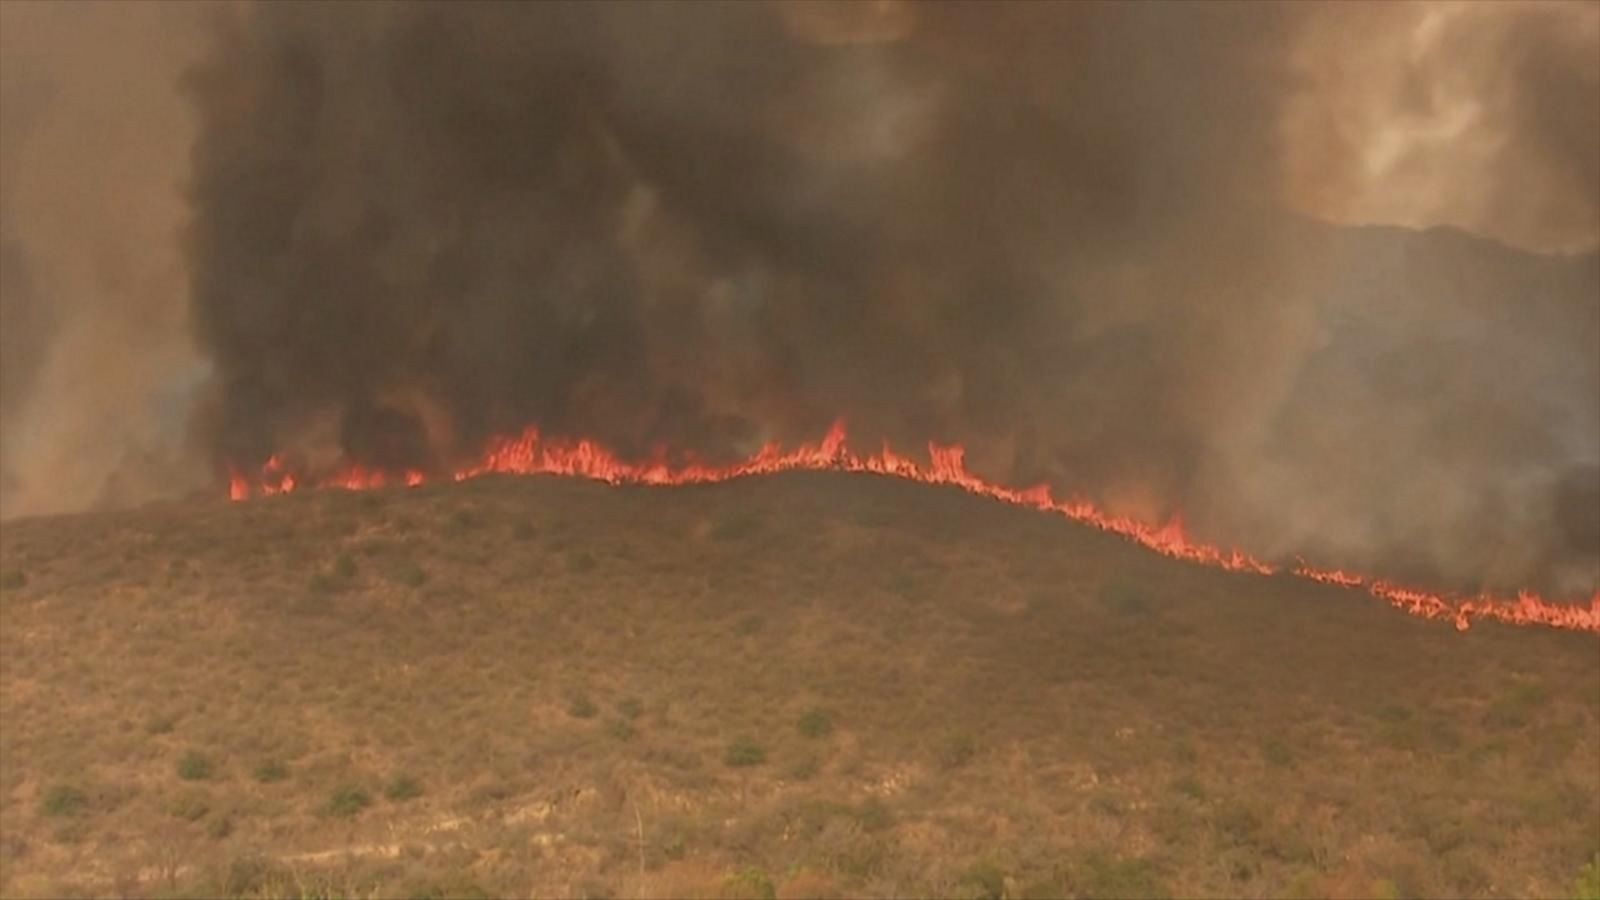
1057,233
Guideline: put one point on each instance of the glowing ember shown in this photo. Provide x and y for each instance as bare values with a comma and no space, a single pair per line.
528,455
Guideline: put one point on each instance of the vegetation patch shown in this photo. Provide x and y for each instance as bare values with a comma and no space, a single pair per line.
744,752
815,723
347,802
956,750
751,882
271,771
401,788
581,706
194,766
63,800
1113,878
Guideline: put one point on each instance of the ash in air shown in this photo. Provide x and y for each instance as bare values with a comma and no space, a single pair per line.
1165,257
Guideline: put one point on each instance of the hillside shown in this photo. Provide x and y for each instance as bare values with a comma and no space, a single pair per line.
797,685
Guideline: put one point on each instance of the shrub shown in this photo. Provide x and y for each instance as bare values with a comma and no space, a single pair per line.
579,706
1113,879
64,800
735,525
873,815
409,574
1125,597
191,807
630,708
1516,707
252,875
1276,752
271,771
1587,885
1190,787
621,729
804,768
752,882
454,887
13,579
192,766
744,752
347,801
815,723
523,530
344,567
403,787
957,750
982,882
321,583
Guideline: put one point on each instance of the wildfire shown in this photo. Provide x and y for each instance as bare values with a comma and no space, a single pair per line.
527,454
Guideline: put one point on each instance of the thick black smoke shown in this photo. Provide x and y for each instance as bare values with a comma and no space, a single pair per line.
1053,232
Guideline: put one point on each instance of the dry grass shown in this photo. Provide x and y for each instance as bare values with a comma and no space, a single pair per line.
798,686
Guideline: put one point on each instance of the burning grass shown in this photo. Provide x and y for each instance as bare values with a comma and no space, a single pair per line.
865,687
528,454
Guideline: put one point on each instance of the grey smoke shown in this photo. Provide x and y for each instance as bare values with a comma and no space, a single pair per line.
1058,233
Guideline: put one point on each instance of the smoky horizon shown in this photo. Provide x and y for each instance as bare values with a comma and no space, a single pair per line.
1323,279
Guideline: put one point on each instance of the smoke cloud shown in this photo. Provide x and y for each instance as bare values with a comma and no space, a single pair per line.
1094,243
96,371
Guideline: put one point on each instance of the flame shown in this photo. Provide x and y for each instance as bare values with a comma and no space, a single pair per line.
528,454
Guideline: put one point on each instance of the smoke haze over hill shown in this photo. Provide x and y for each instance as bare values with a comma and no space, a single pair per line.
1094,243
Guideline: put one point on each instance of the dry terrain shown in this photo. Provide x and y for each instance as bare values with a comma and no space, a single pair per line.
802,685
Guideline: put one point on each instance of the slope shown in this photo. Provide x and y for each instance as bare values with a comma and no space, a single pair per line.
800,684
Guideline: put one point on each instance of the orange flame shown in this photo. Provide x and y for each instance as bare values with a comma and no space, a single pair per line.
527,454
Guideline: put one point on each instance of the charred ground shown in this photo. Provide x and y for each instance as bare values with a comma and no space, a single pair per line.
796,685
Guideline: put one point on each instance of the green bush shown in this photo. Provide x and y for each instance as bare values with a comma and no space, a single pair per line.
579,706
64,800
752,882
982,882
191,807
193,766
408,573
735,525
815,724
1125,597
347,801
402,787
1190,787
744,752
1276,752
13,579
1587,885
271,771
1120,879
804,768
956,750
253,875
322,583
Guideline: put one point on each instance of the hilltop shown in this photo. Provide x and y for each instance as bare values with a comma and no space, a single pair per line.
803,684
